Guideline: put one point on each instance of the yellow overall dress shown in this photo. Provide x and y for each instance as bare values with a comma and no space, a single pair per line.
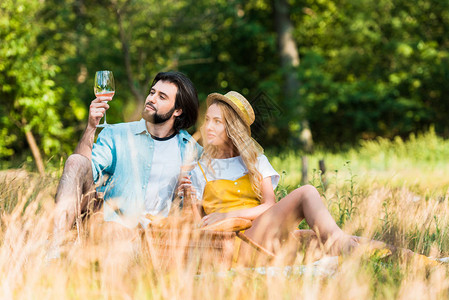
224,195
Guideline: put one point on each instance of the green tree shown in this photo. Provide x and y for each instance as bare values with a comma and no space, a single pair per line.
29,98
373,68
368,68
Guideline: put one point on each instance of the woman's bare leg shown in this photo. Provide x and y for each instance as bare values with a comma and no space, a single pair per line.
277,224
273,227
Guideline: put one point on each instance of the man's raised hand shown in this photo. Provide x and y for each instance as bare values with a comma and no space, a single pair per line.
97,109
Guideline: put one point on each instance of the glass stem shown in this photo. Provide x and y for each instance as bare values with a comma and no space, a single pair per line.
104,118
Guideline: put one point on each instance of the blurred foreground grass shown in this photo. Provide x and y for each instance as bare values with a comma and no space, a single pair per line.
397,192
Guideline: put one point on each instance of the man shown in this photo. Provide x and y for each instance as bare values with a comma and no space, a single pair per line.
137,164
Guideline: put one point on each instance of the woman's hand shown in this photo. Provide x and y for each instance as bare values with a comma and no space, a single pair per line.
213,218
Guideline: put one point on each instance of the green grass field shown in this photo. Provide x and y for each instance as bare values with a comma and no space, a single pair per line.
393,191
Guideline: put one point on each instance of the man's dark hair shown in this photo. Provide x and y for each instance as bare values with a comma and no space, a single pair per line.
186,98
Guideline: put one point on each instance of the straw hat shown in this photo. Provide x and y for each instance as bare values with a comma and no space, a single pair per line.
239,103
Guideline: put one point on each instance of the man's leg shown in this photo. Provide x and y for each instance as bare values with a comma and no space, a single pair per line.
76,181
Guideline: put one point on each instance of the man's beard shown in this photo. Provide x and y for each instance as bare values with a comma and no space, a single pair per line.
156,118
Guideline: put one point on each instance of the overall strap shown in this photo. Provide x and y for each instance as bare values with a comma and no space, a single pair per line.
201,168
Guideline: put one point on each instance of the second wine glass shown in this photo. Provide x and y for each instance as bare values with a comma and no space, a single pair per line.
104,86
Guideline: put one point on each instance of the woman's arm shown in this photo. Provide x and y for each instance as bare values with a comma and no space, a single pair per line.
268,200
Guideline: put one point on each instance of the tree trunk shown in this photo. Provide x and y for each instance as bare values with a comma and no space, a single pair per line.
34,149
304,170
289,63
139,97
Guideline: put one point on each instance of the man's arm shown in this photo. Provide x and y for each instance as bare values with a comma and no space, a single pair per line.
97,110
86,143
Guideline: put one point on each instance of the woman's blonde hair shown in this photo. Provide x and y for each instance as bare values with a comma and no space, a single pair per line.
242,143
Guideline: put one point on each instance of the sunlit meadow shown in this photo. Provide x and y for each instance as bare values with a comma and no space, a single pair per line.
393,191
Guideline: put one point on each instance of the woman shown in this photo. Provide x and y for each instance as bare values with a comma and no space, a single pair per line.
234,179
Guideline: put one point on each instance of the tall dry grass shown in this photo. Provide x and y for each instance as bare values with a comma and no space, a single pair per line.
105,261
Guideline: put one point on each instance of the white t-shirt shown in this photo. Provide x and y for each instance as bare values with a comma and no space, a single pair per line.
230,169
163,176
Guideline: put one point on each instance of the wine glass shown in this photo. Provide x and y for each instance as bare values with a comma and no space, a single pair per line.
104,86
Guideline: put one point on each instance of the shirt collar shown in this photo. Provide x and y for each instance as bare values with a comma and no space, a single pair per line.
184,136
140,127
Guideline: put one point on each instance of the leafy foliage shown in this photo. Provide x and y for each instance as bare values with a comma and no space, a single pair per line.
373,68
368,68
29,98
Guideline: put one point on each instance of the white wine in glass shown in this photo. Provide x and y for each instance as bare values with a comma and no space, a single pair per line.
104,86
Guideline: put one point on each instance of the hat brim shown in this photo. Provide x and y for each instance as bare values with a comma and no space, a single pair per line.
219,97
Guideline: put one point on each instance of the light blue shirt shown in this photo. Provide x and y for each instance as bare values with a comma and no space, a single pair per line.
121,165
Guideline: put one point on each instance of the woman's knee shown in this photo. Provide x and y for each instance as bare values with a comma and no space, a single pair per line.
306,192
